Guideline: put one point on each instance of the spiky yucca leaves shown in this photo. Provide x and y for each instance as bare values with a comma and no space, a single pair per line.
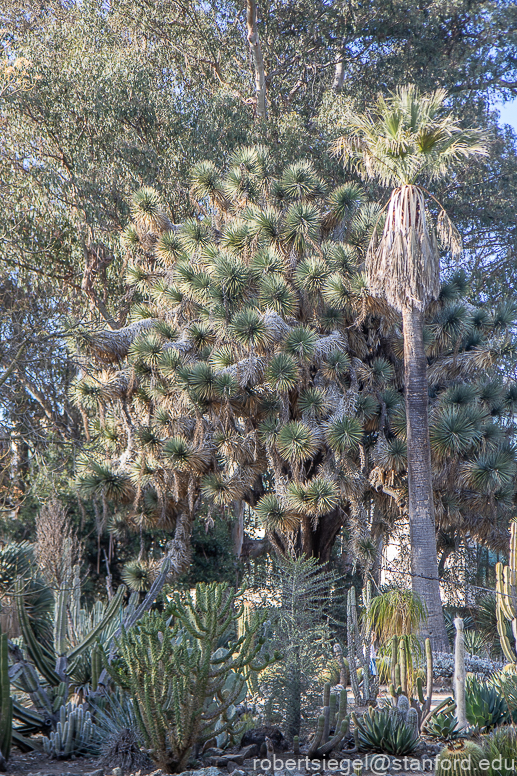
268,373
181,682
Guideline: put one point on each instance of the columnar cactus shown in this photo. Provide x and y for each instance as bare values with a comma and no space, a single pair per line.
358,642
73,734
459,673
48,676
333,718
506,589
400,685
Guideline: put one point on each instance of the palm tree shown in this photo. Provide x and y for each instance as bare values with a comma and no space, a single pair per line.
410,138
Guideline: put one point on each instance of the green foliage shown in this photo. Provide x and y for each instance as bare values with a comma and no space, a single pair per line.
443,727
70,663
396,613
486,707
333,718
381,730
6,702
500,749
303,592
182,683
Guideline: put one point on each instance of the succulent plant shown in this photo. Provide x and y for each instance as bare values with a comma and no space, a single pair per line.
74,733
333,724
444,727
464,758
381,730
486,707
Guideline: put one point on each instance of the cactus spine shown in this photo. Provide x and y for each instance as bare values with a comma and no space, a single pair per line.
333,717
506,596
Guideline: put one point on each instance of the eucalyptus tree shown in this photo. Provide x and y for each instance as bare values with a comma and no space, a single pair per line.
406,141
258,367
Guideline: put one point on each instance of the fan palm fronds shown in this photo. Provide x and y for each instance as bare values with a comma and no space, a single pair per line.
492,470
452,432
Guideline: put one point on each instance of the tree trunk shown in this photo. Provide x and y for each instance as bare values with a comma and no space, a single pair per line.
424,563
258,60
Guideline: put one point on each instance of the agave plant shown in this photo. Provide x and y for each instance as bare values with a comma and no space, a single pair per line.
259,368
486,707
380,730
443,727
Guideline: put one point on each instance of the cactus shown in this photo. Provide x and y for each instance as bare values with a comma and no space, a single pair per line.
6,703
359,640
459,673
506,596
464,759
333,718
400,684
73,735
177,675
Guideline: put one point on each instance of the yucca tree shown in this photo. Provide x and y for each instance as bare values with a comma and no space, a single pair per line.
257,367
410,139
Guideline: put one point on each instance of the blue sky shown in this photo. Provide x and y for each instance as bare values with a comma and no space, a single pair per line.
508,113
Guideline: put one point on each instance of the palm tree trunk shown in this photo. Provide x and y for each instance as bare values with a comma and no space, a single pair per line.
424,563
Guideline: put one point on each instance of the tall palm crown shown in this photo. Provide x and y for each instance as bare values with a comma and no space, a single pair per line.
407,140
410,138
